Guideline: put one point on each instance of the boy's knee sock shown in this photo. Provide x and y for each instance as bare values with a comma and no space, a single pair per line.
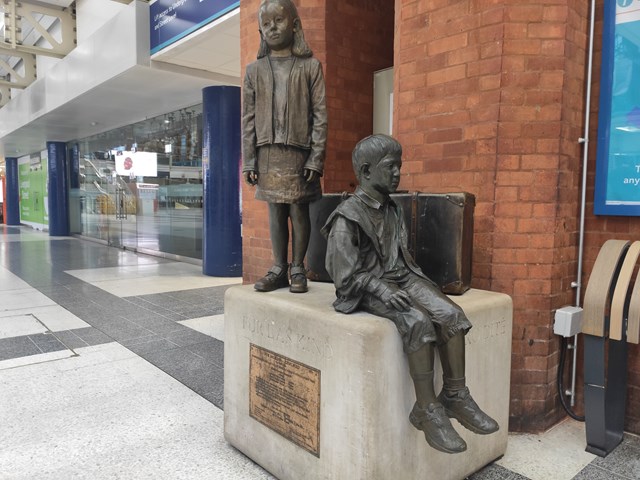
453,385
423,384
452,357
421,369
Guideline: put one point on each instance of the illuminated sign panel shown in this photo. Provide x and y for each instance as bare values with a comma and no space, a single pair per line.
136,164
172,20
617,190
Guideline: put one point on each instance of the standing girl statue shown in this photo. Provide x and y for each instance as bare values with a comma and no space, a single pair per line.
284,123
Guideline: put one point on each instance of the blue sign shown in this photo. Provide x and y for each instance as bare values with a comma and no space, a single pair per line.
617,189
171,20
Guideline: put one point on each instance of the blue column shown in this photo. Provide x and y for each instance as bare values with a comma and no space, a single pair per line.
58,189
221,239
12,185
74,167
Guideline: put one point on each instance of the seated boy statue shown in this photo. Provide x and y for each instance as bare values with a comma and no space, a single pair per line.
368,260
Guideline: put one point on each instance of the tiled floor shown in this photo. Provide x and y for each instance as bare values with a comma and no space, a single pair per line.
111,366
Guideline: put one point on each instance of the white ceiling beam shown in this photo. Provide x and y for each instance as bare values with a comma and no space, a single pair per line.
16,79
5,95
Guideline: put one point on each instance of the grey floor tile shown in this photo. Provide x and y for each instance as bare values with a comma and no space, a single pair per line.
491,472
216,396
70,339
136,301
177,356
157,310
159,325
212,351
593,472
93,336
89,313
47,342
176,317
16,347
188,337
624,460
199,375
154,345
199,312
124,333
139,314
159,300
515,476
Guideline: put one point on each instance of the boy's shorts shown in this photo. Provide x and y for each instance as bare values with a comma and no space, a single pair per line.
431,318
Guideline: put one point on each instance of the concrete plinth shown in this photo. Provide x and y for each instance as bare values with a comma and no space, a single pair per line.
366,392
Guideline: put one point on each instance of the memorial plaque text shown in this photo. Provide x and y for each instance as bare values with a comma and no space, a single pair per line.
284,395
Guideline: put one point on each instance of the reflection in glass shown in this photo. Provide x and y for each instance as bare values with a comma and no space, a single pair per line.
141,185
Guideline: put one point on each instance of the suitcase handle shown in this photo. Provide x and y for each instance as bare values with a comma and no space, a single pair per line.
452,200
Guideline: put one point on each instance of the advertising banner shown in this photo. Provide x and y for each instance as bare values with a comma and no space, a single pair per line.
617,189
34,200
136,164
172,20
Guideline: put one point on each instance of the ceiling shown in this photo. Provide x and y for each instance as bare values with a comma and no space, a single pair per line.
174,79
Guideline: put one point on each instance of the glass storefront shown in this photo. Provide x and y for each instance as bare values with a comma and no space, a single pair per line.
140,186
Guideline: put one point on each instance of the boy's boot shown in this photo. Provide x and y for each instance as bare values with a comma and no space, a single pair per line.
298,279
427,414
437,428
455,396
459,404
275,278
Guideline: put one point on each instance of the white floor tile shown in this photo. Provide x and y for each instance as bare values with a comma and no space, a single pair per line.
17,325
76,418
212,326
55,318
14,300
9,281
557,454
136,271
33,359
29,236
135,280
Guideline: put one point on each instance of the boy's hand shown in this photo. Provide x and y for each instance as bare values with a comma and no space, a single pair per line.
398,299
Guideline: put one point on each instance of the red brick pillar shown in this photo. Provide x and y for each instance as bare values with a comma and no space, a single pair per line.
352,39
489,100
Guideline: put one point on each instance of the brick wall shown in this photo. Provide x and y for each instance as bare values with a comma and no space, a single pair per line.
359,42
352,39
489,101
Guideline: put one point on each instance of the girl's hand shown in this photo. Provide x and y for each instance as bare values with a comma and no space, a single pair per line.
310,175
251,177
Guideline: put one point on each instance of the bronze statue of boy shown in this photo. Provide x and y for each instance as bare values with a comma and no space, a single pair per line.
368,260
284,123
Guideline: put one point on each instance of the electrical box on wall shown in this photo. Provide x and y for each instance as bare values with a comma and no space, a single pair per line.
568,321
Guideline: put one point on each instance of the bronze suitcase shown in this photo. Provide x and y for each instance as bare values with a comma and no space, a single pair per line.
440,236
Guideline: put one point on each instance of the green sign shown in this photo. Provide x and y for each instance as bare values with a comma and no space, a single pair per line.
34,201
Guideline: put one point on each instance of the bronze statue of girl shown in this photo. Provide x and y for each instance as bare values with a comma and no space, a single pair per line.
284,123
